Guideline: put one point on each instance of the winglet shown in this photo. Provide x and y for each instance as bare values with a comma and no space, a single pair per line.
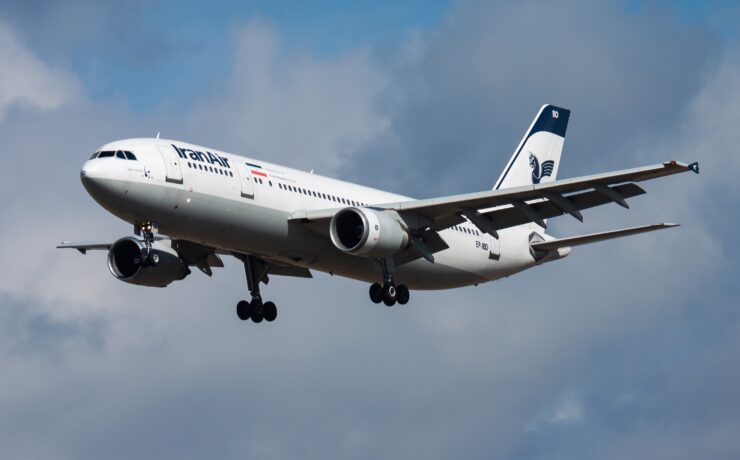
694,167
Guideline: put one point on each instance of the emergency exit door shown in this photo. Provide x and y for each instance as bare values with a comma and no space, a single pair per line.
247,185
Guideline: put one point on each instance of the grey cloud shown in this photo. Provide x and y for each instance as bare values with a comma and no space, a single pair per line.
27,82
459,106
641,333
294,109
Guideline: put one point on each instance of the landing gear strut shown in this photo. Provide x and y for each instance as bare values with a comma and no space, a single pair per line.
147,230
256,271
389,293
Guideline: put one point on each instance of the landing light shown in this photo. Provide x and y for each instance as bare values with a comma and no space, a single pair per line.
188,200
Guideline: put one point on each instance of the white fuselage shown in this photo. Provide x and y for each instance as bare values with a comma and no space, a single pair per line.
244,205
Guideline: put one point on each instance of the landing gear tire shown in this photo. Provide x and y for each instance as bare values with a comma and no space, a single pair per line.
243,309
257,311
269,311
402,294
389,295
376,293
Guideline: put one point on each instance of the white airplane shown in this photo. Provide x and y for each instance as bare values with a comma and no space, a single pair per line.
281,221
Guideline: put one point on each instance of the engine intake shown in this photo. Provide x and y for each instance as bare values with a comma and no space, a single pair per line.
126,262
368,233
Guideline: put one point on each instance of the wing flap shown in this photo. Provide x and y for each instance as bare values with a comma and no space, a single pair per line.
506,217
287,270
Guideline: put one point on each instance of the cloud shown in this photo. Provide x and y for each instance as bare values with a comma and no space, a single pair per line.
466,92
28,82
624,347
566,410
292,109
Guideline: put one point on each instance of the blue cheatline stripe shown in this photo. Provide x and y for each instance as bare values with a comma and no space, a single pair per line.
545,122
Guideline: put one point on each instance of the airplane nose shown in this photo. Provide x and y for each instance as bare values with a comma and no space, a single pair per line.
97,180
89,173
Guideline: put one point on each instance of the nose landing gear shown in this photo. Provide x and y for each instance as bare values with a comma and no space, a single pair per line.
147,230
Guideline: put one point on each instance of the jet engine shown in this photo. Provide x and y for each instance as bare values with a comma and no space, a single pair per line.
128,261
367,233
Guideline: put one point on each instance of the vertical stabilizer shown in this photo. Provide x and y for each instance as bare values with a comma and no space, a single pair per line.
537,158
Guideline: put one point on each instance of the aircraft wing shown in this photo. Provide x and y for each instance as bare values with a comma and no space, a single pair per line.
84,247
498,209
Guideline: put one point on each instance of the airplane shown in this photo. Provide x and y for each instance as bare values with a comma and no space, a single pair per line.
191,205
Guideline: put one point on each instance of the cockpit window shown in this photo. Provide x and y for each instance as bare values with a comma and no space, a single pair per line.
106,154
119,154
129,155
94,155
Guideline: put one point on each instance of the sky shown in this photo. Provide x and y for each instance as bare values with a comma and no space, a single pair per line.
625,349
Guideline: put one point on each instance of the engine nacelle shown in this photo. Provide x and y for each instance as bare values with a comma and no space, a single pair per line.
126,263
368,233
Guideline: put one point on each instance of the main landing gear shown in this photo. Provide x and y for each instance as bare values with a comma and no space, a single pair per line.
257,310
389,293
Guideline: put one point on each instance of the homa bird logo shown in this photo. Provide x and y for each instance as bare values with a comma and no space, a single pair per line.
539,172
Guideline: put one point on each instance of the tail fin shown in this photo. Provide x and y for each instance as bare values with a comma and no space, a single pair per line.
537,158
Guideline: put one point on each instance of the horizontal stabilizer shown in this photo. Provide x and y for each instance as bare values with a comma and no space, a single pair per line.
596,237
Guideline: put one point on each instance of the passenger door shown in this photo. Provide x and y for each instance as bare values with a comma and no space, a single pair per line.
247,187
172,163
